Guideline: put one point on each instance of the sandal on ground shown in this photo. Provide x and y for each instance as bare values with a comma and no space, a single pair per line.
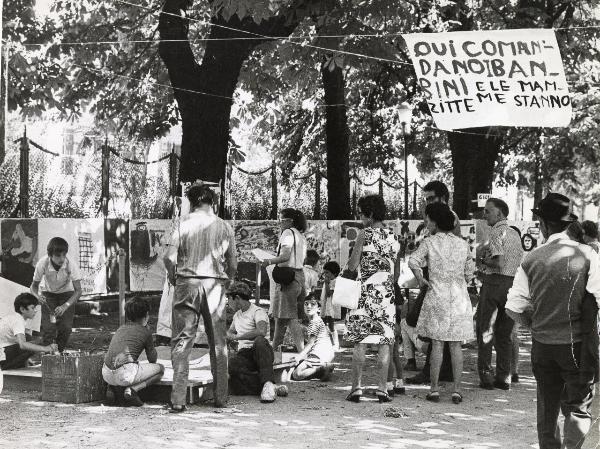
457,397
177,408
353,396
434,396
382,396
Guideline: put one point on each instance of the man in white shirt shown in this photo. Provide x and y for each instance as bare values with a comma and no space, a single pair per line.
550,292
251,368
13,342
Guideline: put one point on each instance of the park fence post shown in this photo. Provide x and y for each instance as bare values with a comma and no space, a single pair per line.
317,209
24,175
354,184
380,186
121,287
172,181
105,179
273,191
414,199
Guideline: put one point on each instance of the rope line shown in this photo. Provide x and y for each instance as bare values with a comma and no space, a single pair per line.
246,172
35,145
133,161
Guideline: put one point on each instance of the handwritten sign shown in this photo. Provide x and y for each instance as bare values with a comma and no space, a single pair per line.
492,78
482,199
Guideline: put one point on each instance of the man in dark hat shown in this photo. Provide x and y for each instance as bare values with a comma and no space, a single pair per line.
251,367
547,294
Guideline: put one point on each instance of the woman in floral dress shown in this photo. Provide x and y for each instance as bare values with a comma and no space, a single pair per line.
373,322
446,314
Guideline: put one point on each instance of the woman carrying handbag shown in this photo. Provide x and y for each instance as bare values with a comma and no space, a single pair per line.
372,322
289,275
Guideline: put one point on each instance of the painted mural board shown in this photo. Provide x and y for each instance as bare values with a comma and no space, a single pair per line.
147,243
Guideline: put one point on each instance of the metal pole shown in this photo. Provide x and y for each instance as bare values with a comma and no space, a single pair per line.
405,172
24,175
258,282
122,286
273,191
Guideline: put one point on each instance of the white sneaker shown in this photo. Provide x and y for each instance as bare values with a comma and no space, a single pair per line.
268,393
281,390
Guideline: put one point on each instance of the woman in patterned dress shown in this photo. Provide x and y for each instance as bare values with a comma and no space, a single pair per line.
446,314
375,253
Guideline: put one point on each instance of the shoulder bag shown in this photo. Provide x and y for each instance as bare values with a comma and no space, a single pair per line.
285,275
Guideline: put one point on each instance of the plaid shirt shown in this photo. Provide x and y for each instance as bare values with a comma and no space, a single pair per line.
505,241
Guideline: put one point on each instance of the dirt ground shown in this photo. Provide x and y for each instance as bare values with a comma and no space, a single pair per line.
314,415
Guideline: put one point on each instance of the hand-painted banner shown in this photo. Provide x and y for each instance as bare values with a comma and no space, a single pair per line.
492,78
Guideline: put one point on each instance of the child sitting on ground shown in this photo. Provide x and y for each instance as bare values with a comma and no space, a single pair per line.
317,355
121,370
13,341
59,279
330,312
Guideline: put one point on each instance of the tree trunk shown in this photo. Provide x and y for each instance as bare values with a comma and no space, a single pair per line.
338,149
204,91
473,158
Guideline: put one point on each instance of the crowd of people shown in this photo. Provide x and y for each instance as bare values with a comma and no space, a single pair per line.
554,290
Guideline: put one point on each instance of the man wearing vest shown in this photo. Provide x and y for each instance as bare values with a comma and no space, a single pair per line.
500,261
547,294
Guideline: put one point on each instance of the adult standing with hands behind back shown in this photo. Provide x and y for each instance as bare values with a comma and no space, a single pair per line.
373,321
291,252
446,315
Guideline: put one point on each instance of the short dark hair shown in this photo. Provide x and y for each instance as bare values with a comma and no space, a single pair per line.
313,297
136,308
500,204
439,188
297,217
590,229
57,246
25,300
333,267
373,206
441,214
201,194
312,257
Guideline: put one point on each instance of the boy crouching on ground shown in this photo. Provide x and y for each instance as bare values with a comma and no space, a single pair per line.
121,370
17,349
251,366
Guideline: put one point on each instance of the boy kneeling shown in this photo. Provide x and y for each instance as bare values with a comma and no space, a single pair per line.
121,370
251,367
17,349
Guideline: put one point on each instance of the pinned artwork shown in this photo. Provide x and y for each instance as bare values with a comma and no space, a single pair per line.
86,247
148,240
20,243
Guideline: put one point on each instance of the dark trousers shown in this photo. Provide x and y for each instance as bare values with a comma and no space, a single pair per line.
561,386
494,329
61,330
194,298
250,368
15,357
